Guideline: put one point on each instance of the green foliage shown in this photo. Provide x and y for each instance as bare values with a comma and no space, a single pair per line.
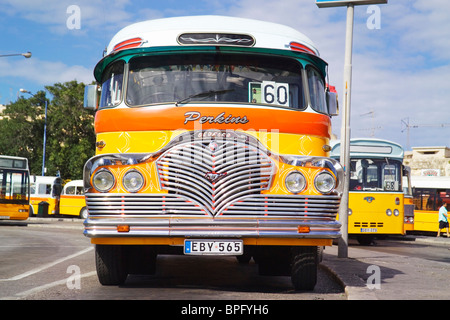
70,130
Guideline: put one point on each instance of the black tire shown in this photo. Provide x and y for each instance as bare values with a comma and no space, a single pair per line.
83,213
304,268
111,264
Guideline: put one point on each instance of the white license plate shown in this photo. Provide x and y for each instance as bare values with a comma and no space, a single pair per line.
213,247
371,230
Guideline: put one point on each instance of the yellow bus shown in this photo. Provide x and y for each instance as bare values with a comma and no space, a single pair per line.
213,136
14,188
72,201
45,194
429,193
376,191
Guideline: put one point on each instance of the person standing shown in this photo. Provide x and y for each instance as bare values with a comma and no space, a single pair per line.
443,219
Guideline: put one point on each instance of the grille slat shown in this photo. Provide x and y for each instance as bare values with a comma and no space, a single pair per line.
226,170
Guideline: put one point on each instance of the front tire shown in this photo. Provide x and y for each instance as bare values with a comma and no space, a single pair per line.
304,268
111,264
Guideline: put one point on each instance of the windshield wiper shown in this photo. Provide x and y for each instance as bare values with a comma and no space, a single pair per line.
203,95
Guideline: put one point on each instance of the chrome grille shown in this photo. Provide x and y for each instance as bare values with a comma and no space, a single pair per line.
214,173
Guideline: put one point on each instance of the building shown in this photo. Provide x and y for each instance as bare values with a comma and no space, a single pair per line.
428,161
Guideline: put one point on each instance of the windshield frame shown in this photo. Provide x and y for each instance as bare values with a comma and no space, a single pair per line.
295,70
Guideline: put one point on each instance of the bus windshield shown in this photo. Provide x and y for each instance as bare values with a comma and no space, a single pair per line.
215,77
375,175
14,186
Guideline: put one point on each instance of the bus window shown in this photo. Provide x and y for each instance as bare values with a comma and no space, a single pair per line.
215,77
374,174
316,90
112,85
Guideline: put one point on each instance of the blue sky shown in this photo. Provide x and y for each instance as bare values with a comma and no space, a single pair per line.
401,68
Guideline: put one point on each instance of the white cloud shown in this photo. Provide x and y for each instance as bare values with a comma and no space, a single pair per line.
45,72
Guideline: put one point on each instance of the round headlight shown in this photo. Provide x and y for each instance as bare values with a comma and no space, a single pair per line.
396,212
389,212
324,182
103,180
133,181
295,182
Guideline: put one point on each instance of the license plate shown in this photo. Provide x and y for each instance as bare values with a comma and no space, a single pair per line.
213,247
372,230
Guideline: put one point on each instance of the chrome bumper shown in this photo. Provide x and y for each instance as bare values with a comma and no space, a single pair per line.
165,215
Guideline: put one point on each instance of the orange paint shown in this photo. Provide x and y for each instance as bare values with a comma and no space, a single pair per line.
164,117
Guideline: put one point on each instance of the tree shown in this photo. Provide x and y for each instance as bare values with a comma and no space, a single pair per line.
70,130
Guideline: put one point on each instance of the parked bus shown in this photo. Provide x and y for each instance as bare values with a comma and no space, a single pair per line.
376,196
429,193
14,188
45,194
212,138
72,202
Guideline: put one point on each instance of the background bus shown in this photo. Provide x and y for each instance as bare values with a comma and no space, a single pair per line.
72,201
45,193
376,198
428,194
14,188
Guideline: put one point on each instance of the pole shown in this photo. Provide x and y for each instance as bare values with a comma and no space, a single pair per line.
45,139
345,133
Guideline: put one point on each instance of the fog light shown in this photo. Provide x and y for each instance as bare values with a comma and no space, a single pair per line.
123,228
303,229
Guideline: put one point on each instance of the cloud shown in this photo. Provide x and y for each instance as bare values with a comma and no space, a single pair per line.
45,72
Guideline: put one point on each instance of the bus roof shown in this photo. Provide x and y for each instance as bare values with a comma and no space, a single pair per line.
369,147
212,31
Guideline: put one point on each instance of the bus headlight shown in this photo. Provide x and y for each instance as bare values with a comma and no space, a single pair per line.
324,182
396,212
389,212
103,180
133,181
295,182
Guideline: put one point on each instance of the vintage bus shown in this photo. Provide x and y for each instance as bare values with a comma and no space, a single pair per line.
212,138
14,188
72,202
45,194
429,192
377,201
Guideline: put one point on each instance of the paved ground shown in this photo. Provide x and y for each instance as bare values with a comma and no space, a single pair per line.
372,275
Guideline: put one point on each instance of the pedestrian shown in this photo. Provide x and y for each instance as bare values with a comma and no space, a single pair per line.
443,219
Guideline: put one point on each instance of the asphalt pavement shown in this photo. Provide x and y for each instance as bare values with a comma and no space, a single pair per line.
368,274
372,275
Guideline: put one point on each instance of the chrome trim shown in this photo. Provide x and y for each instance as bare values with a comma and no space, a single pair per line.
243,168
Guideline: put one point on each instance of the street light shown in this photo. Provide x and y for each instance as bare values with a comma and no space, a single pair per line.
26,54
45,129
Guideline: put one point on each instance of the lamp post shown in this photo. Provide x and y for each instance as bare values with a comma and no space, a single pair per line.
45,130
26,54
345,128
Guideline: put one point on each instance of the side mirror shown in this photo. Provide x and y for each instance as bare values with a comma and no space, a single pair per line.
90,97
332,103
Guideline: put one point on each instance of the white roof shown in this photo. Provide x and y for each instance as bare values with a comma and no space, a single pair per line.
164,32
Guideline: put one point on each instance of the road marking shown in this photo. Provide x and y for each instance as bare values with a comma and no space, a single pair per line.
48,265
24,294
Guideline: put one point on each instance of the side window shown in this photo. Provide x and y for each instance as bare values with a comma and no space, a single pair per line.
112,85
70,190
316,90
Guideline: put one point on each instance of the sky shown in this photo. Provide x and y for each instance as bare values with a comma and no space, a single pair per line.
400,64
